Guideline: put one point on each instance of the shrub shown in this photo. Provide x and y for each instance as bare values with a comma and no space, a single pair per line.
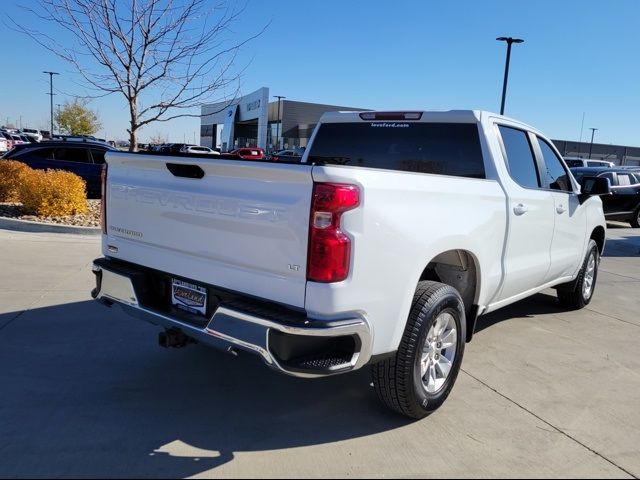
11,175
52,193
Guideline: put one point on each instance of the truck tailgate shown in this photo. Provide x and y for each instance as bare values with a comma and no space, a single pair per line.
243,226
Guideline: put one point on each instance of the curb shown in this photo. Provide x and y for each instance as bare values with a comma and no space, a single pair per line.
18,225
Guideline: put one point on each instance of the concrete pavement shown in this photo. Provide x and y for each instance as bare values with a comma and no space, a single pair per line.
85,391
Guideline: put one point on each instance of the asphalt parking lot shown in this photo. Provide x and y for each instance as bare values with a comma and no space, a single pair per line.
86,391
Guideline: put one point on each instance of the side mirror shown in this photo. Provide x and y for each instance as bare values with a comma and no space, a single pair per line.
594,186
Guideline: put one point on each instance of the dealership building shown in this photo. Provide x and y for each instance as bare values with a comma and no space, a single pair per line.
253,121
618,154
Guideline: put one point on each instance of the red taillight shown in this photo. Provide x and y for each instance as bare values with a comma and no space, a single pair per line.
329,247
103,199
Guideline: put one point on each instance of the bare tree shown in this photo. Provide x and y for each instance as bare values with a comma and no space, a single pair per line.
166,57
158,139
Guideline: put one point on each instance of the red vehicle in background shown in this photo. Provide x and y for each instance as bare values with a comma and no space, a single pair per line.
249,153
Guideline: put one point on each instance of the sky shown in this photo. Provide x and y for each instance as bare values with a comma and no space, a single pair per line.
579,60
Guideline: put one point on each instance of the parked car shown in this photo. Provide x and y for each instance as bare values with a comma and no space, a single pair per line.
198,149
4,144
574,162
286,156
249,153
624,202
177,147
85,159
32,132
18,140
382,249
9,139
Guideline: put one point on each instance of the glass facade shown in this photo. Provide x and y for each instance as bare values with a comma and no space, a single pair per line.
270,125
272,134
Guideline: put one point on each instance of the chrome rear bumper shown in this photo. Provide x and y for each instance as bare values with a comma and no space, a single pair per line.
229,328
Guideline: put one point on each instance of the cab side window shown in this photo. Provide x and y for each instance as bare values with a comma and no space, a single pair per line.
520,159
555,173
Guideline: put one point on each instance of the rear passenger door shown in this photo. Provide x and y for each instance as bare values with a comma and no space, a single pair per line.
570,219
76,159
530,212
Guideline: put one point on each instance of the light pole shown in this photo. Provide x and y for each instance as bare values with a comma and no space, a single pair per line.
279,97
58,122
51,74
593,131
509,41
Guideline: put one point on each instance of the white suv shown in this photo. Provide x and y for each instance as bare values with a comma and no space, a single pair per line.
33,133
198,149
573,162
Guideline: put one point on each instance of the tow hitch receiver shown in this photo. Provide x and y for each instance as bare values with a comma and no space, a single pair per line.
175,338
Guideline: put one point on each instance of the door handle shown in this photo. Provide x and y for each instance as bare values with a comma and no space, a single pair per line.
560,209
520,209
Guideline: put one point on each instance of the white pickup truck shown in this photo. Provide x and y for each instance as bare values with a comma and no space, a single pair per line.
381,247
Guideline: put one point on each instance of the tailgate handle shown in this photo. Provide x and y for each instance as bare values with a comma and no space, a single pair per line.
185,171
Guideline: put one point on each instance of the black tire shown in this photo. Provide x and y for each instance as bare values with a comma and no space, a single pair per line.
635,220
573,296
398,380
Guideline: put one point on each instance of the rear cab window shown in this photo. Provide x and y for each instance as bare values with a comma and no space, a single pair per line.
420,147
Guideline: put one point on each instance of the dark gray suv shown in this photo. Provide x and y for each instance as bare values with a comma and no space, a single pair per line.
624,202
84,158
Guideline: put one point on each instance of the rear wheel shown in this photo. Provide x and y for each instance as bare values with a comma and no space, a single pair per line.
418,380
580,293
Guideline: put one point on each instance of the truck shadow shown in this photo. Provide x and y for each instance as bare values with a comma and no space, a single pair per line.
539,304
86,391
